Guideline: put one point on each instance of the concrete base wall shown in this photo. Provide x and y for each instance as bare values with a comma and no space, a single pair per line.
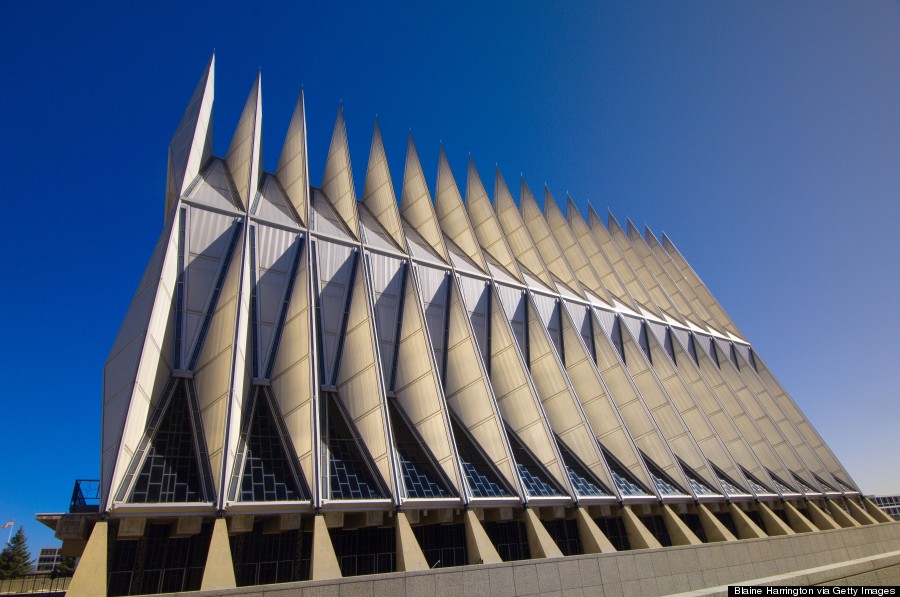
887,576
880,570
663,571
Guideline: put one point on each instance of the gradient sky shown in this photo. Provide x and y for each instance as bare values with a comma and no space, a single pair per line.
763,137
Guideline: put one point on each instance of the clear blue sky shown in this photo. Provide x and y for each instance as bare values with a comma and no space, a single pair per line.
763,137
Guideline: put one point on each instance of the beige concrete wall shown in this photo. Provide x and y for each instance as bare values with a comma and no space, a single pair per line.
887,576
646,572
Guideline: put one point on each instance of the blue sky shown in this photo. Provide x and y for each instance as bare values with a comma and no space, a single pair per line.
763,137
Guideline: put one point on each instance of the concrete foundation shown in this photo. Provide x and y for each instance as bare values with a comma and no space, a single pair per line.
90,575
857,555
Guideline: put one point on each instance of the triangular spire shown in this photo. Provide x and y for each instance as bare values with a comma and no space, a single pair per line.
544,241
452,213
679,301
645,275
415,202
612,223
378,192
651,238
594,219
633,234
293,168
337,180
244,157
191,145
602,266
514,229
484,222
623,270
572,251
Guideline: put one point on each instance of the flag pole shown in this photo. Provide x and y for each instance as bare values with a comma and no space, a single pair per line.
11,527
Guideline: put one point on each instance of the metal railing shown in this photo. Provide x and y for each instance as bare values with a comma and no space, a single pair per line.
85,496
34,583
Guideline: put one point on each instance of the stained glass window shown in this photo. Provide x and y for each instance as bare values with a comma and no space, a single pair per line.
170,472
268,476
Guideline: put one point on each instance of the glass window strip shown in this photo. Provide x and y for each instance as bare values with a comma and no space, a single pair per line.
339,351
285,305
670,346
731,488
179,288
618,340
825,484
692,349
254,304
698,485
644,341
397,336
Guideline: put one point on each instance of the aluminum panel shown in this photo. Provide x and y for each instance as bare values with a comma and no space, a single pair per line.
602,267
293,167
476,295
337,180
415,203
213,188
469,395
378,191
291,377
359,382
572,251
519,404
216,367
334,268
486,226
543,239
191,145
417,387
244,157
452,214
517,234
388,275
272,206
